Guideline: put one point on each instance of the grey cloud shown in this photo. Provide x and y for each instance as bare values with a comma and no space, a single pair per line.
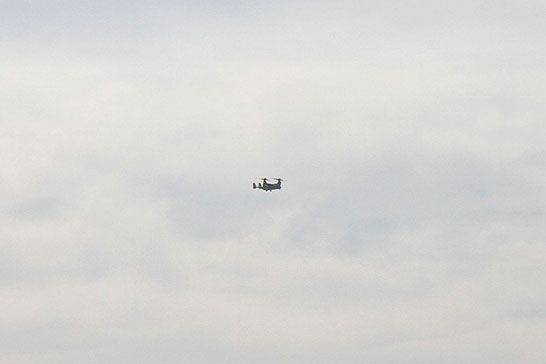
410,227
34,209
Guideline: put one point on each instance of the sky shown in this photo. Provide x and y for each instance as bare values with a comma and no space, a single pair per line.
410,228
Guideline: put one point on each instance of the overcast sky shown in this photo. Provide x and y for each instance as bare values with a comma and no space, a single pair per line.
410,229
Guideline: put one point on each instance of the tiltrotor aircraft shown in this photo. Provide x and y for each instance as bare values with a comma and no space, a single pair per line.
268,186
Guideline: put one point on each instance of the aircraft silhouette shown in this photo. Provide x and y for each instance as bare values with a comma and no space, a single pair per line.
268,186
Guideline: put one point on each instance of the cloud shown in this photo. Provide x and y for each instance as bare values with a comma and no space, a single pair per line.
409,228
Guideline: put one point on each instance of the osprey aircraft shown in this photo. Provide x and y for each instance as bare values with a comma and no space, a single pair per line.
268,186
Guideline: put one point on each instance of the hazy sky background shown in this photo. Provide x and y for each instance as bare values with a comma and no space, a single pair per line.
411,228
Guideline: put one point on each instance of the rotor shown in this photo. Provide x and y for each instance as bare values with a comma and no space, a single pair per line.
270,179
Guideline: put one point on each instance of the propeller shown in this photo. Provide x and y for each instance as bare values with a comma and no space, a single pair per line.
271,179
